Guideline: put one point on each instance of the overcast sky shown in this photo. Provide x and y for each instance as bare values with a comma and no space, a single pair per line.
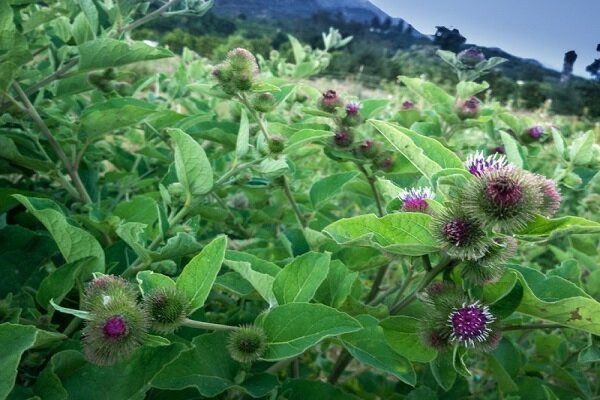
539,29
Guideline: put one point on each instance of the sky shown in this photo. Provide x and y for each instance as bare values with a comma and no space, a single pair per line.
540,29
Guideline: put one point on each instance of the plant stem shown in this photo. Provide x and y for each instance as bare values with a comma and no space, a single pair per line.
147,18
426,263
371,179
279,365
261,123
377,282
531,326
222,180
288,194
30,109
340,365
190,323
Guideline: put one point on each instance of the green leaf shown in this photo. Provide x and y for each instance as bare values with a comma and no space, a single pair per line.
149,281
59,283
261,282
132,233
581,150
543,228
441,101
325,188
301,389
114,114
369,346
191,164
156,341
91,13
443,370
208,368
402,335
261,87
513,150
74,243
198,276
372,106
10,151
298,281
241,147
337,286
14,341
464,89
303,137
105,52
77,313
503,363
182,244
297,49
426,154
293,328
400,233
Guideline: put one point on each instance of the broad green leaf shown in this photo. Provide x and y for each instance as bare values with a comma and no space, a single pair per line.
258,264
182,244
504,296
512,148
133,233
59,283
434,150
8,71
141,209
301,389
402,335
400,233
74,243
10,151
149,281
293,328
198,276
464,90
543,228
433,94
193,168
415,153
297,49
298,281
235,283
443,370
323,189
114,114
105,52
156,341
372,106
208,368
91,13
305,136
337,286
504,363
582,149
368,345
241,147
261,282
14,341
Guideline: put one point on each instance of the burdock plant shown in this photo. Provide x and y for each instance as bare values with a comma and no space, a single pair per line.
460,234
415,199
167,308
489,267
247,344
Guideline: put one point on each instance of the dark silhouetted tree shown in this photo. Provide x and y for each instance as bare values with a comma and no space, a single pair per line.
448,39
567,71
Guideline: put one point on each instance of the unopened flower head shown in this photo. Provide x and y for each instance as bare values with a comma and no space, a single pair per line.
469,108
471,56
408,105
385,162
471,324
536,132
263,102
551,196
353,108
460,234
370,148
505,199
247,344
352,117
108,288
167,308
343,138
490,267
114,332
330,101
241,60
478,164
415,199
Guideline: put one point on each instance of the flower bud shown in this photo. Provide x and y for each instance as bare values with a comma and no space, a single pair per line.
242,61
167,308
460,234
535,132
468,108
385,162
263,102
471,56
276,144
114,332
242,82
107,289
353,117
415,199
247,344
506,199
489,268
370,148
550,196
343,138
330,101
408,105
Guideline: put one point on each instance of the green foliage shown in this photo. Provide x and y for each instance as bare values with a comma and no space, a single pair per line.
121,158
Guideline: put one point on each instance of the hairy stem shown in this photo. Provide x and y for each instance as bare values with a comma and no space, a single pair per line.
371,179
290,197
340,365
190,323
147,18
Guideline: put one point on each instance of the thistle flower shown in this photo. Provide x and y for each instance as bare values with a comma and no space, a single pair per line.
167,308
505,199
276,144
353,108
550,196
263,102
242,61
469,108
408,105
370,148
478,164
535,132
471,325
329,101
247,344
489,268
460,234
106,289
415,199
115,331
343,138
353,117
471,56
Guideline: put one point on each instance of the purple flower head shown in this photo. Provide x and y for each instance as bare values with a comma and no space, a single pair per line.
478,164
343,138
536,132
115,327
471,56
330,100
551,196
469,108
504,191
456,231
500,149
408,105
353,108
470,323
415,199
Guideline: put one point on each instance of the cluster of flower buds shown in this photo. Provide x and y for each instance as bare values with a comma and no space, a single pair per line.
118,322
238,72
499,200
455,319
105,81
